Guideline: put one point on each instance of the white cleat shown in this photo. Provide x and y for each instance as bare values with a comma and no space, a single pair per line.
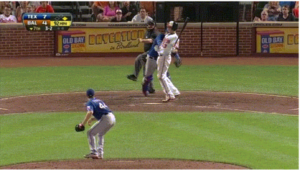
168,98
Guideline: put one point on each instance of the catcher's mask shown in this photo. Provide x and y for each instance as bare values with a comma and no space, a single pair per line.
90,93
173,25
150,25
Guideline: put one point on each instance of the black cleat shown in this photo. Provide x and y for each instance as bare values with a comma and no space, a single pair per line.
151,90
132,77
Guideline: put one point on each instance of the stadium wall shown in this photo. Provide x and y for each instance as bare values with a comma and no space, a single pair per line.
219,39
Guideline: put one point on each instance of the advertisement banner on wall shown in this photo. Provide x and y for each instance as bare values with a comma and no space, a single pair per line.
100,40
277,40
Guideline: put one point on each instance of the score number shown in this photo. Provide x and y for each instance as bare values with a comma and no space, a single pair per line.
47,28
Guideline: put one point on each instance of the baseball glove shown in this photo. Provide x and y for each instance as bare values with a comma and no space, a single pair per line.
178,63
79,128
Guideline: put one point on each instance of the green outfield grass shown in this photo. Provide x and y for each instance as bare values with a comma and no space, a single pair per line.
281,80
260,141
254,140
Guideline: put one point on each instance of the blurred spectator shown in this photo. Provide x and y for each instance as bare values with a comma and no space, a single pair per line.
149,6
98,7
257,8
273,9
263,17
34,5
6,17
285,14
129,10
296,10
120,4
291,4
44,8
142,16
2,6
118,17
102,18
21,9
110,10
29,9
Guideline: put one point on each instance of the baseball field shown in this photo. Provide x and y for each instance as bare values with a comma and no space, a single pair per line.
233,113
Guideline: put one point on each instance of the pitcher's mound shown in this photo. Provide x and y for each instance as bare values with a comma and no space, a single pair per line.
124,164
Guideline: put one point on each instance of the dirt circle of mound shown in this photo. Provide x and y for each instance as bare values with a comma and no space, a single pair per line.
124,164
135,101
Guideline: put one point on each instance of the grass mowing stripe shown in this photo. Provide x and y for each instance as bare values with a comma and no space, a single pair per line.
253,140
282,80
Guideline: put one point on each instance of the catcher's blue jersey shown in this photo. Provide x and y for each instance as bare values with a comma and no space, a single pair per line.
98,107
158,40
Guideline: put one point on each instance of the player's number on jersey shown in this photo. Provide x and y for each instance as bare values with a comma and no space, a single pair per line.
102,105
165,43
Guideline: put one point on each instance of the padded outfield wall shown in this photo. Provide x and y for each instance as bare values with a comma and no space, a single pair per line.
218,39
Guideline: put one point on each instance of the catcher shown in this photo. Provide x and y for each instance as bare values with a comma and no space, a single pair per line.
151,64
105,121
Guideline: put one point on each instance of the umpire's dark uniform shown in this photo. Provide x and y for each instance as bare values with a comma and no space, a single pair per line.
141,59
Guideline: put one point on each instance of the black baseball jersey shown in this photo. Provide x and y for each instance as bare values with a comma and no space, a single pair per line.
150,34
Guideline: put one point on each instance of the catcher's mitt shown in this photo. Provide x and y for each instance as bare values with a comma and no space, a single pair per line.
178,63
79,128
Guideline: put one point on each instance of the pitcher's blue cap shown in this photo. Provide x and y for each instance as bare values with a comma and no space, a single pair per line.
90,92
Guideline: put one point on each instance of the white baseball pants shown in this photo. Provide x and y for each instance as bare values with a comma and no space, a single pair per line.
163,63
100,128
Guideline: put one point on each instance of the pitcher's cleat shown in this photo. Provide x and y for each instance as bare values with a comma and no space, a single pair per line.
93,156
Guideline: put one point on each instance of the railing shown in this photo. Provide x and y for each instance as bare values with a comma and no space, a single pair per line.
78,10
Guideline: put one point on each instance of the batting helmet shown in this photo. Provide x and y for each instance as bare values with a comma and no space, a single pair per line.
173,25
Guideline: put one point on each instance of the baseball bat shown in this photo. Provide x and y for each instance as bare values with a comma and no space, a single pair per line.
184,25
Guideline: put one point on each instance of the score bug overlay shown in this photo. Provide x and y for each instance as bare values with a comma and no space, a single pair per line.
47,21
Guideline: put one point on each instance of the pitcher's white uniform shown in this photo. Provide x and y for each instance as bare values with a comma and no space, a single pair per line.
163,63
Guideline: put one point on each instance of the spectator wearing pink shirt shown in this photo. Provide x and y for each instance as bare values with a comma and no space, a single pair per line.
110,10
7,17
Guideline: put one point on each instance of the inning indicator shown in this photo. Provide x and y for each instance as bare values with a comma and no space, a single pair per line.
47,21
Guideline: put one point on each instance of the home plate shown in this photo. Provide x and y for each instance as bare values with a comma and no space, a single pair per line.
152,103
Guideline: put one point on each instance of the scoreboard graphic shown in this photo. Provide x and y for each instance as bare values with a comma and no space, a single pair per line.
47,21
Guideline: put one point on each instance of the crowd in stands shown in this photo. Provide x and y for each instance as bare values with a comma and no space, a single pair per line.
103,11
111,11
143,11
12,11
276,11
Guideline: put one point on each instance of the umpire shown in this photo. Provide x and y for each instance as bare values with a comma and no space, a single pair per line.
140,60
